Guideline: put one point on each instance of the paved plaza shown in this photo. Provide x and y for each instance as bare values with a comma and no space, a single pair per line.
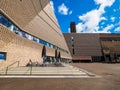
110,80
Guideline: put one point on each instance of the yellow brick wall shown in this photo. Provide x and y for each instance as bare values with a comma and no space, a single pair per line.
21,49
18,48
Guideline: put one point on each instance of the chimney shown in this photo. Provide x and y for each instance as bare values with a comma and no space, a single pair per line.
72,27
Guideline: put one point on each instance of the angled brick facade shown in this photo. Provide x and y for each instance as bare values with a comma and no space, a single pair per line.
36,18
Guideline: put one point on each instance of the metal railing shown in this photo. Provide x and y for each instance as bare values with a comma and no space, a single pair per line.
31,69
7,68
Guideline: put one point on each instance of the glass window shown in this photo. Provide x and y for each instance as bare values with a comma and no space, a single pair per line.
73,51
2,55
11,27
45,43
24,34
35,39
42,42
51,46
30,37
27,35
72,38
48,44
17,31
5,22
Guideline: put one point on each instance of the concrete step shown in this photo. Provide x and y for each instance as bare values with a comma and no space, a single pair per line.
54,73
67,70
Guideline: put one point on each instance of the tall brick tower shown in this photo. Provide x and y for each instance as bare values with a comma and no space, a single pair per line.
72,27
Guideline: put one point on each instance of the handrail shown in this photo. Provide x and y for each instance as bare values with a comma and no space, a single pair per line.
31,69
11,65
30,61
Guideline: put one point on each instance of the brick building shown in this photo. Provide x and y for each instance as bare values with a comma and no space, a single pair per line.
25,27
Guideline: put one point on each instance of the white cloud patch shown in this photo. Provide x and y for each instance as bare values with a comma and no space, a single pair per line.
106,29
70,12
79,27
102,23
117,29
64,10
104,2
90,21
52,5
112,19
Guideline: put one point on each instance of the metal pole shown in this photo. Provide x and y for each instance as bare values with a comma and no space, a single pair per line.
6,71
18,63
31,70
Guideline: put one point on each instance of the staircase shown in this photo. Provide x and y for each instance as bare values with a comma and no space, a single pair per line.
66,70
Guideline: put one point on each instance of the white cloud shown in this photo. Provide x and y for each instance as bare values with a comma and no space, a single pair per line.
104,2
90,21
106,29
102,23
79,27
70,12
64,10
117,29
112,19
118,24
103,18
52,5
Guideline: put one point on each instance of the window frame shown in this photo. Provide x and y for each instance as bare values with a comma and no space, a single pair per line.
5,55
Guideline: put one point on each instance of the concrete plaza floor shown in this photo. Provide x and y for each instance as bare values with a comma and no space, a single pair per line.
110,80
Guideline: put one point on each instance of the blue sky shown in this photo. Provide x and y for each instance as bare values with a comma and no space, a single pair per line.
91,16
